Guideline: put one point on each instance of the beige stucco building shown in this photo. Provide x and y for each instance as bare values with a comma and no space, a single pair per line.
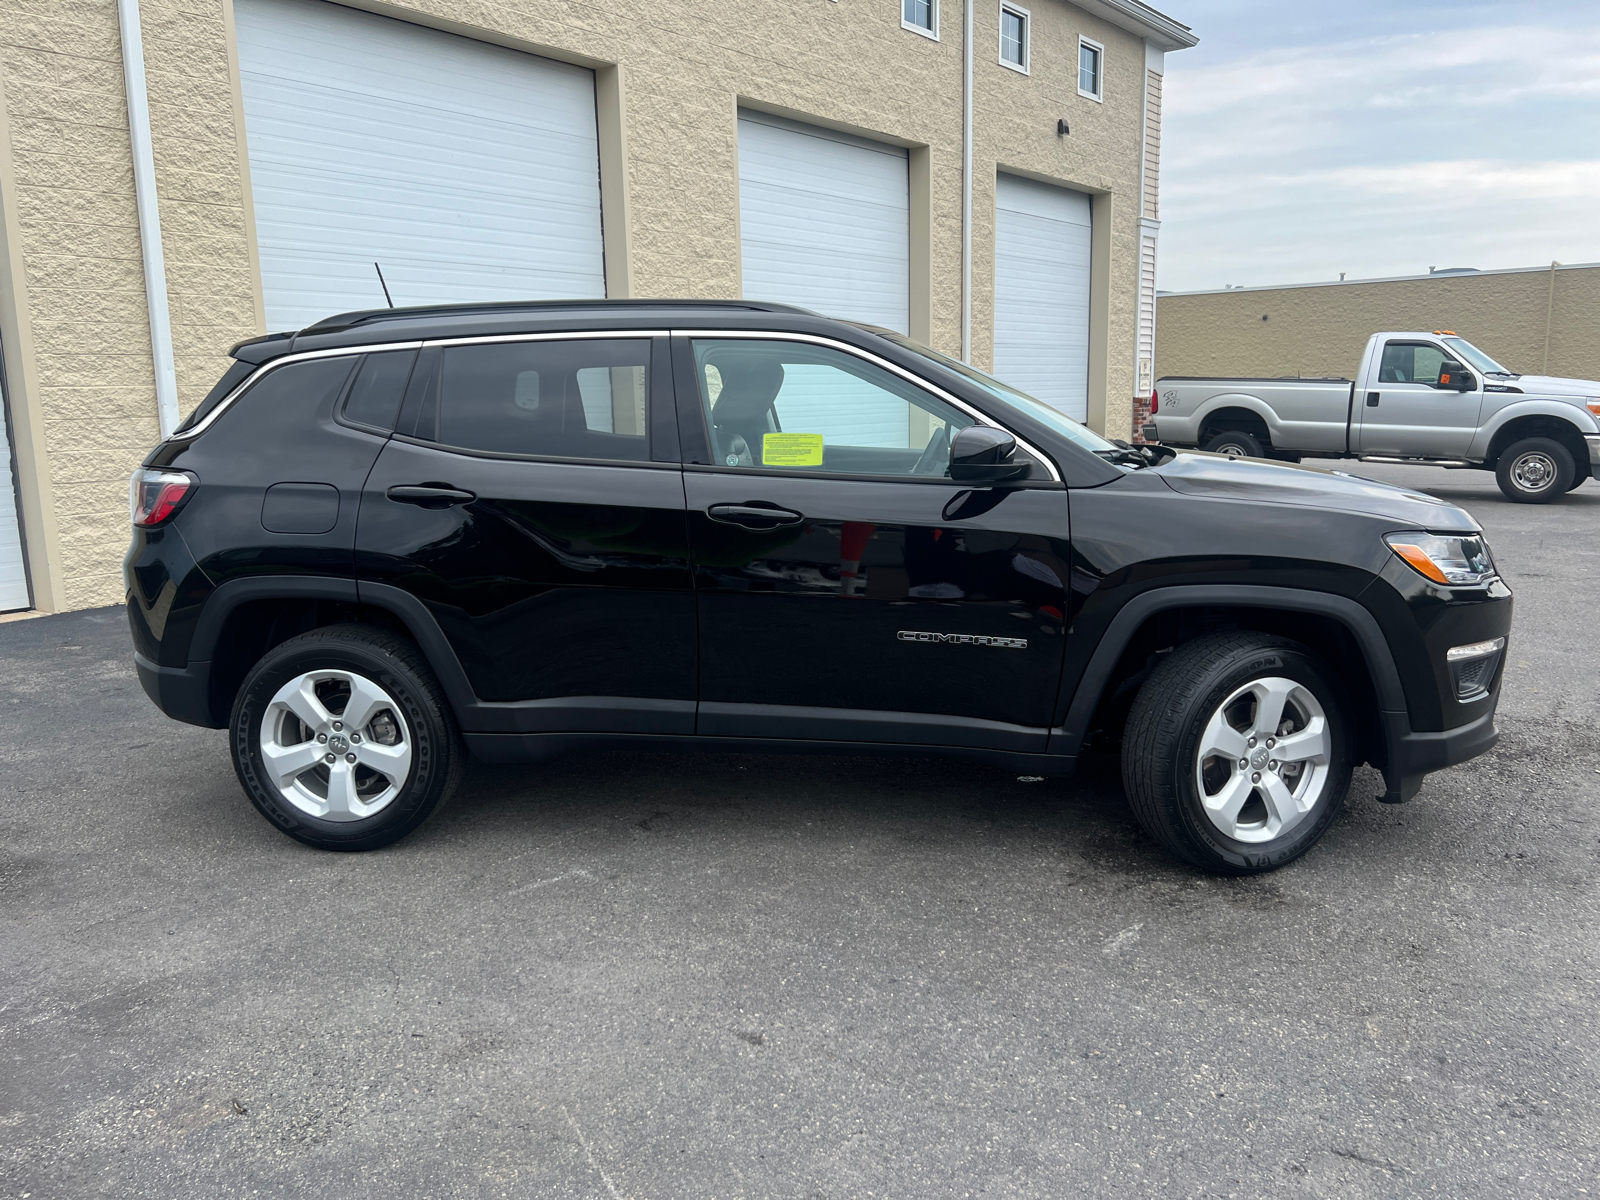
1536,320
677,88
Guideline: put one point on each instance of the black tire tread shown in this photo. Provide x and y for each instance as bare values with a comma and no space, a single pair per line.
1156,726
1566,471
450,755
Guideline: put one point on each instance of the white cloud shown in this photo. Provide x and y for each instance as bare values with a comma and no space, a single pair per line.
1380,155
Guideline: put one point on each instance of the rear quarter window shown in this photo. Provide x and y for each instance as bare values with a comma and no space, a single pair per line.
286,399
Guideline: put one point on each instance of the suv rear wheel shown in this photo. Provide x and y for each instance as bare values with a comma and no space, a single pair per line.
1236,754
1535,470
343,740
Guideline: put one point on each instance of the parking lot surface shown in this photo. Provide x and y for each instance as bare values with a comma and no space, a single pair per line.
653,976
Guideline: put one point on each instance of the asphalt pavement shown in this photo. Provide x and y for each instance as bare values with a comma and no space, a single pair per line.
654,976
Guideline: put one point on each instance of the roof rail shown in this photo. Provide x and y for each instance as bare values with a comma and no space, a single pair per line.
349,320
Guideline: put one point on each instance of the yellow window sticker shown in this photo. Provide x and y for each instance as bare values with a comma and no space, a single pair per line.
791,449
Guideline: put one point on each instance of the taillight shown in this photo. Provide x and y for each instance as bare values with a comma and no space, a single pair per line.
1155,402
153,496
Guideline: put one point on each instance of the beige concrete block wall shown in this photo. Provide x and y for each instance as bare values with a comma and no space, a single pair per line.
78,242
1323,330
684,69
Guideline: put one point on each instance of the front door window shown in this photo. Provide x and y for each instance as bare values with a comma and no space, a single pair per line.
795,406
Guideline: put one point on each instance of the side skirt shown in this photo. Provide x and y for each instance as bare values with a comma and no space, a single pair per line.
533,747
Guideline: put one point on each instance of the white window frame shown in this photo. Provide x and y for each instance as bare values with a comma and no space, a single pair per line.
1016,10
1099,49
933,13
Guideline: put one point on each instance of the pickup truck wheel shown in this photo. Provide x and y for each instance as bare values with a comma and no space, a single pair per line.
1535,471
1236,756
1235,441
342,738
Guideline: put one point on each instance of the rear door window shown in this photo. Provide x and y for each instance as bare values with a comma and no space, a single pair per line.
585,398
374,397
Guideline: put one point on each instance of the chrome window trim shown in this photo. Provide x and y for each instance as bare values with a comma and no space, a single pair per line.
255,376
479,339
926,385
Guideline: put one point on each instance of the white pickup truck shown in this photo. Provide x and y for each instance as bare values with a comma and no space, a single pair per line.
1424,398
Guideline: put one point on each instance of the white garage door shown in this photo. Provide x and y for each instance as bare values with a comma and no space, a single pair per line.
469,171
13,578
824,221
1041,292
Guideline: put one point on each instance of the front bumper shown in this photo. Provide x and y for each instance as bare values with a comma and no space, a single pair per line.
1593,440
1413,756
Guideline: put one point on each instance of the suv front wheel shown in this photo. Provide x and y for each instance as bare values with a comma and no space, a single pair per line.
343,740
1236,755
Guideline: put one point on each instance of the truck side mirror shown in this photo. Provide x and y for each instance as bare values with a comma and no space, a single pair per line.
981,454
1455,377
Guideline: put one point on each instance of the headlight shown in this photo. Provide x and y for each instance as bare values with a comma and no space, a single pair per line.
1452,561
1594,404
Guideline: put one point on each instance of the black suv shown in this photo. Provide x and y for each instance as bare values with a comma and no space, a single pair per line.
397,536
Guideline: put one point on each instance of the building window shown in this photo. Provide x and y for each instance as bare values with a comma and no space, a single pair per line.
1014,37
1091,69
920,16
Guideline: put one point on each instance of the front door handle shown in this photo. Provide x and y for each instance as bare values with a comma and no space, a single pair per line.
430,495
1372,399
756,515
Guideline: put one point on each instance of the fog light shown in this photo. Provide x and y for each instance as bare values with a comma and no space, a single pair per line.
1473,666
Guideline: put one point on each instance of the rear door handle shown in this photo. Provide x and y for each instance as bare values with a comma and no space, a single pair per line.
1372,399
430,495
755,515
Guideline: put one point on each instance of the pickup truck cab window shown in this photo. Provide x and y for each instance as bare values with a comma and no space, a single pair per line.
1412,362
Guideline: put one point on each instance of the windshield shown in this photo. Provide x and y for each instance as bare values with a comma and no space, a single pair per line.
1474,357
1019,401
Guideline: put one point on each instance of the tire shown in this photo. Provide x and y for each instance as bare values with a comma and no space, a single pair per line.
1235,441
1577,480
388,776
1196,700
1535,470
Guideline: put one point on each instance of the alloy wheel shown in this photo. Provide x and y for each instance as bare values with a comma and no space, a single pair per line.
335,745
1263,759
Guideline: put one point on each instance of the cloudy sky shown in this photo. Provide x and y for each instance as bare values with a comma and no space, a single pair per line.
1378,138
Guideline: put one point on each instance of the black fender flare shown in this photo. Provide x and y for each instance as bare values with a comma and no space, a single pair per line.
1068,737
403,606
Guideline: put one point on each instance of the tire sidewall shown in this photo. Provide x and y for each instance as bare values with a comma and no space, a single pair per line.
1560,483
1243,441
1228,678
423,787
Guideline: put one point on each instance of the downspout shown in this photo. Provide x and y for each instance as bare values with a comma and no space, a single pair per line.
144,191
1549,314
966,186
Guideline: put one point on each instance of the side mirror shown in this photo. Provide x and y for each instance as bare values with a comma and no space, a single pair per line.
981,454
1456,378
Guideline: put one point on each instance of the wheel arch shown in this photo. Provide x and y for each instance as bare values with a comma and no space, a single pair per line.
245,618
1338,629
1236,412
1539,424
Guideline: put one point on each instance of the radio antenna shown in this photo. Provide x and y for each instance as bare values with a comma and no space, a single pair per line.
382,284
